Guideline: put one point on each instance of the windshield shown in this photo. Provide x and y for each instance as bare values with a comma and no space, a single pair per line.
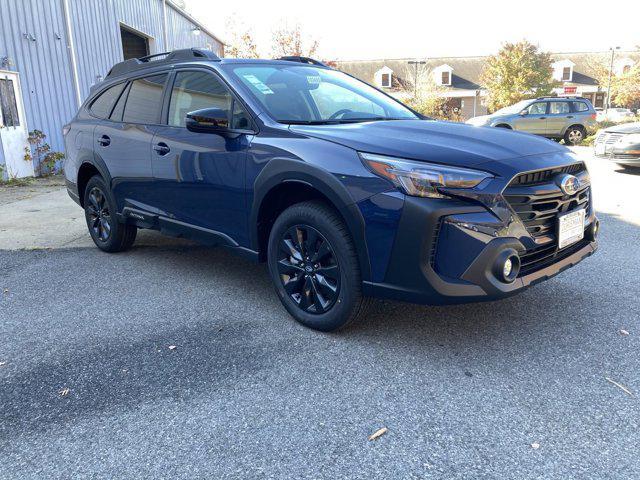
517,108
311,95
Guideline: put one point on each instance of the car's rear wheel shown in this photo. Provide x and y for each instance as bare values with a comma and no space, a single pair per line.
313,264
574,135
106,231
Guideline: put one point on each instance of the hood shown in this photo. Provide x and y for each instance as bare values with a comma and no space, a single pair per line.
480,120
447,143
624,128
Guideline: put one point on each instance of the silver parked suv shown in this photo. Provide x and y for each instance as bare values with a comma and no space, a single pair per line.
552,117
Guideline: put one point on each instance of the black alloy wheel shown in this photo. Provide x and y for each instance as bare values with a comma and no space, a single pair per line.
108,233
313,263
98,214
308,269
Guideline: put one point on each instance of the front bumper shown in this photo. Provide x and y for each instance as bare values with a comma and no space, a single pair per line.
444,252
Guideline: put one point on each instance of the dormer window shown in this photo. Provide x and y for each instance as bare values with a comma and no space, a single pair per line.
563,70
623,66
626,69
383,78
442,75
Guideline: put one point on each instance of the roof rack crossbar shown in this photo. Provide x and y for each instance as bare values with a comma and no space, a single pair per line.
300,59
187,54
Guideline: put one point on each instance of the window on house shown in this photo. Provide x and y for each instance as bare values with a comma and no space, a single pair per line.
144,100
446,78
626,69
8,104
566,73
386,80
101,106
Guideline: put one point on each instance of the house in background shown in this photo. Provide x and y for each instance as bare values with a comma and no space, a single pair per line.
53,51
459,77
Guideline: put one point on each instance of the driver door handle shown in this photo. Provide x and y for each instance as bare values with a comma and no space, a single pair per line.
543,118
162,148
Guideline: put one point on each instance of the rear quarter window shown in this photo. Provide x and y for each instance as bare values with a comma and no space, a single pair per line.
101,106
580,107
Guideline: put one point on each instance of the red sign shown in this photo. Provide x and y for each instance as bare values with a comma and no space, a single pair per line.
570,89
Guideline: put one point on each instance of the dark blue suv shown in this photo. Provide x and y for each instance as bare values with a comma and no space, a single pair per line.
342,190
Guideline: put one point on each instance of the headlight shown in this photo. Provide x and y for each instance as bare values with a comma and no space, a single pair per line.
633,138
421,179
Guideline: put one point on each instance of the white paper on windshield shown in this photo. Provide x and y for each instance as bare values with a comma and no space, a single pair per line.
261,87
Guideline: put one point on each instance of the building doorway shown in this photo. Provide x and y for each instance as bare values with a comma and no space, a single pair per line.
134,45
13,128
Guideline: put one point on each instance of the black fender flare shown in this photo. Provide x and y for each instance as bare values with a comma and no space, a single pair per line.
282,170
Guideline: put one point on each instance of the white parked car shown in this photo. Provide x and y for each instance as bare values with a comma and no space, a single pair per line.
616,115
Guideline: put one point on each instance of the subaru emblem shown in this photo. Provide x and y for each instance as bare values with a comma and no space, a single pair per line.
568,184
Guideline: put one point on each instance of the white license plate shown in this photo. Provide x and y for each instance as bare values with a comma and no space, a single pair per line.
570,228
600,149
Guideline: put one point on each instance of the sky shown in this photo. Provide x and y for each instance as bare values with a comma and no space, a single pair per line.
349,30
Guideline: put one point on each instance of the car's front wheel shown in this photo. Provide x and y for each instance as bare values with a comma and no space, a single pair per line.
314,266
106,231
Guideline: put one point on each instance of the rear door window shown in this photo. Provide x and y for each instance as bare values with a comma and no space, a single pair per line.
558,108
144,101
101,106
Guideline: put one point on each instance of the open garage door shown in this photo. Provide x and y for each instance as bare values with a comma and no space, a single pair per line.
134,45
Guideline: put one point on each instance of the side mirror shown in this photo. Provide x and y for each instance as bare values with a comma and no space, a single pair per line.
208,120
523,113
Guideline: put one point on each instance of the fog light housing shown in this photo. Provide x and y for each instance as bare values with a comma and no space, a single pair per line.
507,265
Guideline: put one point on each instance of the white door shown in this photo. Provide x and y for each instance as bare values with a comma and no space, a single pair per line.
13,127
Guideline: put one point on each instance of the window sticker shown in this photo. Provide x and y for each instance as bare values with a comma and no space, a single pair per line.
314,79
261,87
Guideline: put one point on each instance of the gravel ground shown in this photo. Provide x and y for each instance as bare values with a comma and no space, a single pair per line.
28,188
510,389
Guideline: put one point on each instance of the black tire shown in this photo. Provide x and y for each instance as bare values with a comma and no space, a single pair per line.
107,232
297,233
504,125
574,135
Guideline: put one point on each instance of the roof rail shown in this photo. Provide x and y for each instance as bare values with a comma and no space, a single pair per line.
307,60
184,55
560,98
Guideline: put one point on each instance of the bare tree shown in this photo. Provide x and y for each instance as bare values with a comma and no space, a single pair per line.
241,42
290,41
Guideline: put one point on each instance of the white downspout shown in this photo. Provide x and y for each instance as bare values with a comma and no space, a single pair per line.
165,37
72,51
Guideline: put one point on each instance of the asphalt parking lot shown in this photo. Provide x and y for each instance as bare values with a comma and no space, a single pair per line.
177,361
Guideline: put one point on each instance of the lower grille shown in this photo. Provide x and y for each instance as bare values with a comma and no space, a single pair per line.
608,138
542,257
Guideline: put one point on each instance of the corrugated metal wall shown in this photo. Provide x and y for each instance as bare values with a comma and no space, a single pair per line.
33,42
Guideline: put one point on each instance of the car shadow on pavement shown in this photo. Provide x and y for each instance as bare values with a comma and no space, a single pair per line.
246,336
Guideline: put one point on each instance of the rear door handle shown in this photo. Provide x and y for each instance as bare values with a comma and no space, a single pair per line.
162,148
543,118
104,140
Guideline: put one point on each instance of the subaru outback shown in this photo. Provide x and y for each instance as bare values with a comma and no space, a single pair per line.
344,192
552,117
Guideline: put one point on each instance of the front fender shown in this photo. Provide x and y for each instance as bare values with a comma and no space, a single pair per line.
283,170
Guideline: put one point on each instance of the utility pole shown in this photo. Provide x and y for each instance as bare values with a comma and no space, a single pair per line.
613,52
415,63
